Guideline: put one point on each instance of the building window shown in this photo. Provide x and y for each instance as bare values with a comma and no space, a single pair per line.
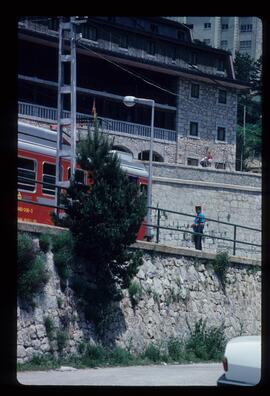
207,25
192,162
181,35
193,58
174,54
89,32
221,134
154,28
26,174
190,25
220,165
224,43
224,26
193,129
245,44
195,90
48,179
207,41
221,65
222,96
151,47
123,41
246,28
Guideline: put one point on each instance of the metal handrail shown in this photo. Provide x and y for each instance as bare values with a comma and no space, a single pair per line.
108,124
234,240
158,227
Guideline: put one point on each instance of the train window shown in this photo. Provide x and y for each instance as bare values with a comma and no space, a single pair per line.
133,179
79,175
26,174
48,178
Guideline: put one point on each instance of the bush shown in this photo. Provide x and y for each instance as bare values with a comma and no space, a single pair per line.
120,355
135,292
62,249
32,274
152,353
62,338
25,252
175,350
49,326
221,265
45,242
206,344
96,353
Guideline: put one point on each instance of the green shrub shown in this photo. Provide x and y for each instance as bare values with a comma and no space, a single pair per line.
45,242
206,344
61,240
221,265
40,362
62,250
96,353
135,292
32,276
120,355
152,353
61,338
50,327
25,252
175,349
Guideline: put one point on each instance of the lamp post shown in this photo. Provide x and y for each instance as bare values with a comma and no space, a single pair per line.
130,101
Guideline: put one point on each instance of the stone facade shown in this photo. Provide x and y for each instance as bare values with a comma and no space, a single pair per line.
178,288
209,114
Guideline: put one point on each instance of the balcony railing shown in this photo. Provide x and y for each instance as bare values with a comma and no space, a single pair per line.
49,114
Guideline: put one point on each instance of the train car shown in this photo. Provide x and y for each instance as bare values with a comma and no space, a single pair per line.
36,173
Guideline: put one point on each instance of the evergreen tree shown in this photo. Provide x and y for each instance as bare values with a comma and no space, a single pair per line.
104,219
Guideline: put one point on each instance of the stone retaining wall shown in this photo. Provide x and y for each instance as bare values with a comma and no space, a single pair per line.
178,288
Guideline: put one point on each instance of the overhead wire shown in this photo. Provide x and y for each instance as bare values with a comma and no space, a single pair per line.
143,78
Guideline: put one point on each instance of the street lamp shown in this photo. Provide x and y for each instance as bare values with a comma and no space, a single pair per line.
130,101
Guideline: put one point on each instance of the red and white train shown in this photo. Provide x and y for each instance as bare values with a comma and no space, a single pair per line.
36,173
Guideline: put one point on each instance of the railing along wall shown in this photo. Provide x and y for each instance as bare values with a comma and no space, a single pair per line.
49,114
158,227
233,241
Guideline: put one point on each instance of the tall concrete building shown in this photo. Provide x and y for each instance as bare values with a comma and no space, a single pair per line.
232,33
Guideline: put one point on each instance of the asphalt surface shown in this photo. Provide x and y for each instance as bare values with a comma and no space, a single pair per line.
202,374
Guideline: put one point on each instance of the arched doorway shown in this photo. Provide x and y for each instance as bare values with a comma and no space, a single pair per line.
144,156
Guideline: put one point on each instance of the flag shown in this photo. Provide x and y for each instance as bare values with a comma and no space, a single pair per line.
94,112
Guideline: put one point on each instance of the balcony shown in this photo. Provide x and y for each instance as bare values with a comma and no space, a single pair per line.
49,114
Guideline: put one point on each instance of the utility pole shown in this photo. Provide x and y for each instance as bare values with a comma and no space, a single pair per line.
66,60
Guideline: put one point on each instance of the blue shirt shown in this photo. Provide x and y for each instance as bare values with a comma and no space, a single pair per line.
199,219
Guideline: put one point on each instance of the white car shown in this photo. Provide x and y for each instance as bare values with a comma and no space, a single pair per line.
242,362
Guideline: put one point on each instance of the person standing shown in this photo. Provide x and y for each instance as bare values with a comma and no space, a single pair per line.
198,227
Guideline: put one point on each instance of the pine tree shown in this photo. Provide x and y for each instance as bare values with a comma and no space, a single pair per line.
104,219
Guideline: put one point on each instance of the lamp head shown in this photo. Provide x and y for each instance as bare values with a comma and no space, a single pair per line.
129,101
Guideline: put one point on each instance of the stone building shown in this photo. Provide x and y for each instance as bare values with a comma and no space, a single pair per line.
193,85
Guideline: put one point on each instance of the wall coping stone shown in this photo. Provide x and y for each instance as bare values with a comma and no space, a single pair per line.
38,228
180,251
206,184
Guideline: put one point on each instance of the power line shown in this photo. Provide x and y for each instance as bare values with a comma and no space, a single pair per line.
128,71
144,79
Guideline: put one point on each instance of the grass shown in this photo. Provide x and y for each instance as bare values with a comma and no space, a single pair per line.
203,345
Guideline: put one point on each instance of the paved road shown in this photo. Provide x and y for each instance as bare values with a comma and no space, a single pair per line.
203,374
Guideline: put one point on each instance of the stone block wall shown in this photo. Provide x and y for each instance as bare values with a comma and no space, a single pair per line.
178,288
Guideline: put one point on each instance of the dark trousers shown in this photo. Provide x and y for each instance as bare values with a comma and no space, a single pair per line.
198,238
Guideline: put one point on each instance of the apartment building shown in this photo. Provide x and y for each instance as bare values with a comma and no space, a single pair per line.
232,33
